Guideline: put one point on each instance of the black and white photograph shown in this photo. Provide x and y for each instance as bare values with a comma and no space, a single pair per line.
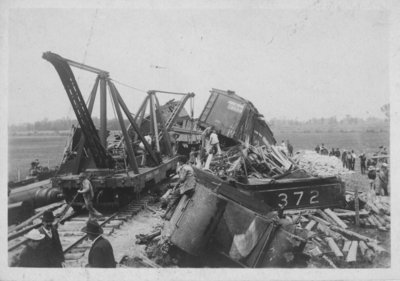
199,140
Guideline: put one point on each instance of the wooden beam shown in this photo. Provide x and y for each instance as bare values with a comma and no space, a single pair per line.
337,220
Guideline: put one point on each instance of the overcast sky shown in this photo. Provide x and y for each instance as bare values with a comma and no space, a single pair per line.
291,63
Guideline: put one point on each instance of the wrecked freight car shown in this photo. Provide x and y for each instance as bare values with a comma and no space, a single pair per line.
252,163
241,193
219,220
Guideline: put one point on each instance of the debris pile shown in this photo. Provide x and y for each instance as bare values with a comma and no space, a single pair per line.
330,240
320,165
251,161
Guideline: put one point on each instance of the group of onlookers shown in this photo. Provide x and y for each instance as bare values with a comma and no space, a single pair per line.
349,159
376,167
43,247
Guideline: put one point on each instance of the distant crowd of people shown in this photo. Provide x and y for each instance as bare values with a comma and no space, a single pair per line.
375,167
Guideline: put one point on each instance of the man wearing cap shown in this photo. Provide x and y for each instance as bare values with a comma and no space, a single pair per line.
32,255
101,253
51,244
88,194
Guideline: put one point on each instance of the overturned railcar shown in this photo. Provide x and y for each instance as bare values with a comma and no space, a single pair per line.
235,118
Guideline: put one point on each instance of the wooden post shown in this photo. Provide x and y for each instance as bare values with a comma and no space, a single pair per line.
357,206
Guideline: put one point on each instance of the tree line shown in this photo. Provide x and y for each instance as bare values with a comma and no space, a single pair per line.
313,124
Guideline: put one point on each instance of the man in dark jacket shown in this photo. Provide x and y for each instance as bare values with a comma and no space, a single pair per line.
51,243
101,253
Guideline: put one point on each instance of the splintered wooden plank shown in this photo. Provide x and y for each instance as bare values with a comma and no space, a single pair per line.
352,255
346,246
337,220
310,225
334,247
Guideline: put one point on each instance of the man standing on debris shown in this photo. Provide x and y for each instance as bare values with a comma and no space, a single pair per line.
205,141
383,180
290,148
51,244
32,255
88,194
148,139
284,148
214,143
185,185
101,253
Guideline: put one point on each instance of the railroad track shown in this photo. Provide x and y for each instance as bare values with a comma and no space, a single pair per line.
75,243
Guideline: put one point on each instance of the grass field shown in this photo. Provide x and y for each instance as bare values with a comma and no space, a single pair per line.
367,142
22,150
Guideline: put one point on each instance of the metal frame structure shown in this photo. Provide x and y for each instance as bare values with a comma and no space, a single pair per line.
97,143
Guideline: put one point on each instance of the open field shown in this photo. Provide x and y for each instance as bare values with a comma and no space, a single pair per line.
48,149
23,150
367,142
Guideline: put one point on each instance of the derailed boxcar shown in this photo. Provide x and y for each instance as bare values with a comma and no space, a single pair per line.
223,220
235,118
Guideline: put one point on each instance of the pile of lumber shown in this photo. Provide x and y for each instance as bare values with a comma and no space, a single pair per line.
333,238
320,165
252,161
379,212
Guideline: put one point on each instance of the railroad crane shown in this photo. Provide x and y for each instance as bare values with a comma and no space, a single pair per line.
116,177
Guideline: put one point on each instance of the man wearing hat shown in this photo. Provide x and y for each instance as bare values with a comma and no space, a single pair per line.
51,243
101,253
32,255
88,194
